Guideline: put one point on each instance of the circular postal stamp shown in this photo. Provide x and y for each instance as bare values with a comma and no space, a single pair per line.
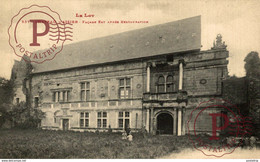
37,33
217,128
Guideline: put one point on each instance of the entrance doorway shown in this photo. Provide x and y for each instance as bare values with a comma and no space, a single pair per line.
164,124
65,124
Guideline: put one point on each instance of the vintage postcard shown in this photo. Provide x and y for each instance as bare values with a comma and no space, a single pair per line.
130,79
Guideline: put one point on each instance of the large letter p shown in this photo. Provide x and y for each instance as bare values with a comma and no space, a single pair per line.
35,34
214,125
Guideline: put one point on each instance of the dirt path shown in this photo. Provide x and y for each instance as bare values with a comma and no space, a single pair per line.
195,154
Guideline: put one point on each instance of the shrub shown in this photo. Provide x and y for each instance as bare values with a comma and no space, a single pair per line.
25,117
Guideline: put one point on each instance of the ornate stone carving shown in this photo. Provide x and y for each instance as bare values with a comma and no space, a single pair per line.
218,44
203,81
182,96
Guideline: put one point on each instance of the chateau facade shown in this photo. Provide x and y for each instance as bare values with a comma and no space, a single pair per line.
151,77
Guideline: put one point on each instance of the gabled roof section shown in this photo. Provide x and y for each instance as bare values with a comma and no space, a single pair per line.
177,36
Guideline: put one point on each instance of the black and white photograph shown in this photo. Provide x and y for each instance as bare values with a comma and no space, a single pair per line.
129,79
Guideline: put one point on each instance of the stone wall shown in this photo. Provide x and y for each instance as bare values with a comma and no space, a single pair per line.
102,81
19,74
104,95
204,72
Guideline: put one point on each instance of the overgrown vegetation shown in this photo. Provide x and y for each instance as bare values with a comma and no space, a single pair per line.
16,115
6,96
25,117
252,65
65,144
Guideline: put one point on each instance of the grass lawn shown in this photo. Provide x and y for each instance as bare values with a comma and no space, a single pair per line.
59,144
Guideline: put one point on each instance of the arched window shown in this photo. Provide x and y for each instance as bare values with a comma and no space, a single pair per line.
170,86
161,84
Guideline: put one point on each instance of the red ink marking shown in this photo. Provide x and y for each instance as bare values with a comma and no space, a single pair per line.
214,125
42,22
233,127
36,34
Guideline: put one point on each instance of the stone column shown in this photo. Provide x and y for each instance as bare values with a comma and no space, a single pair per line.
184,123
175,121
180,74
151,120
179,121
147,119
56,96
132,94
181,126
61,96
148,77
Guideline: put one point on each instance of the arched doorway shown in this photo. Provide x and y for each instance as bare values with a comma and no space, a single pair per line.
164,123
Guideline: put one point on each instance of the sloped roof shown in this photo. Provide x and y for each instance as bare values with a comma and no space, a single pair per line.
177,36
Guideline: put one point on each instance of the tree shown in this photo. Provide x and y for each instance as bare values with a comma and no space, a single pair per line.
6,91
20,115
6,97
252,65
25,117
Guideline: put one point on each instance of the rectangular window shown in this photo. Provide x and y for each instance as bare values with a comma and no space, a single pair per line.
121,123
99,123
104,123
125,88
161,88
122,92
84,120
123,119
36,102
170,87
102,120
61,96
85,91
170,83
121,114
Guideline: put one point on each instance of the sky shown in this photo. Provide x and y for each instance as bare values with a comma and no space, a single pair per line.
236,20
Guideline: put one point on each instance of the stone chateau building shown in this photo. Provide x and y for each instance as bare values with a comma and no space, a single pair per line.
151,77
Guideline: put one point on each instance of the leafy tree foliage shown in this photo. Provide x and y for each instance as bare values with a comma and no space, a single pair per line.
6,96
20,115
6,91
252,65
24,117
